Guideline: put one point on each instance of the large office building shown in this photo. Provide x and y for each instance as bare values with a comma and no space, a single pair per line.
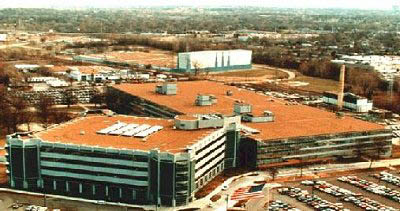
124,158
273,131
214,60
182,136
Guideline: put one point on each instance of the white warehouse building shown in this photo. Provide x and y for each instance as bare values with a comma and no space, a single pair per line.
214,60
350,101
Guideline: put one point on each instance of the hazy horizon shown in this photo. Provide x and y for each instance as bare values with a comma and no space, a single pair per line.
345,4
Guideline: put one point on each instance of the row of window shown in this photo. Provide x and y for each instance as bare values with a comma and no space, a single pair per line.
209,145
80,171
63,179
313,150
321,138
95,164
202,180
138,158
208,153
209,161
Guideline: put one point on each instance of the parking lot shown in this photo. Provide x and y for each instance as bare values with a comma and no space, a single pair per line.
360,191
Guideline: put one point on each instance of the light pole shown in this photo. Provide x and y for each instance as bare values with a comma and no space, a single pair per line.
227,201
268,197
313,185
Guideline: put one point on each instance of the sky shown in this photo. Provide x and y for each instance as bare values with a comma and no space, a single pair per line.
359,4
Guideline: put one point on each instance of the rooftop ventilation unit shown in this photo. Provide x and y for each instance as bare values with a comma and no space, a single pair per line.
340,115
268,113
166,89
199,121
246,111
242,108
205,100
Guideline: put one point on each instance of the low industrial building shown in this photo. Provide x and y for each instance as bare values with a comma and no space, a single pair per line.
51,81
83,94
124,158
214,60
94,73
350,101
27,67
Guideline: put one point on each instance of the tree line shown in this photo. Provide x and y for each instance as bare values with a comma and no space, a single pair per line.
17,111
212,19
180,45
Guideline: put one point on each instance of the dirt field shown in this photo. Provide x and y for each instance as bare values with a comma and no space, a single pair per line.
158,58
258,74
317,84
255,72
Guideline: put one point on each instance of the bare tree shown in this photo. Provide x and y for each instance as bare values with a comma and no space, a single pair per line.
301,165
98,99
376,153
197,67
14,111
5,110
59,117
69,97
273,172
44,109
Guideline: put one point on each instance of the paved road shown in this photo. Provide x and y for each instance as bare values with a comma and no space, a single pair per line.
252,80
12,45
19,45
291,74
328,168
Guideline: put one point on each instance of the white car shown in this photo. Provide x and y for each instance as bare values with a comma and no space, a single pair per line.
307,182
225,187
319,168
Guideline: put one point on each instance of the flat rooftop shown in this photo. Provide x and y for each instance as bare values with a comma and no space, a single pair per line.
290,120
95,69
167,139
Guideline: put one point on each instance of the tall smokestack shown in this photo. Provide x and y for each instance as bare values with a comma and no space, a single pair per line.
341,87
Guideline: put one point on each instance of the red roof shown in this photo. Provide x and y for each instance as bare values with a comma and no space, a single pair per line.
167,139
